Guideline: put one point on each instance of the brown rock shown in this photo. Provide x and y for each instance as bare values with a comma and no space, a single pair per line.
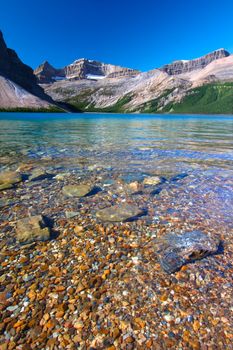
32,229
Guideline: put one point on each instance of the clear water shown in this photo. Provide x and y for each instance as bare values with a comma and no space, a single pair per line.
131,147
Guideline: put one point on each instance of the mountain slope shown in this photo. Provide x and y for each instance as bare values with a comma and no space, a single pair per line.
18,85
156,91
215,98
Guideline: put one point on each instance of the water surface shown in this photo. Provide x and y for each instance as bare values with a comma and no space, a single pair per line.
194,154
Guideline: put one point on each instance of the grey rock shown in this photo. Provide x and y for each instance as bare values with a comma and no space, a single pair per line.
77,190
179,67
118,213
10,177
12,308
39,174
71,214
175,250
32,229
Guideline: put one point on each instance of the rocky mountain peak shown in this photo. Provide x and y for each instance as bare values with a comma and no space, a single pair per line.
46,73
185,66
82,68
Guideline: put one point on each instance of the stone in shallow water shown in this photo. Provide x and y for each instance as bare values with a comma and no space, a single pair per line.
32,229
77,190
152,180
118,213
176,250
39,174
71,214
9,178
6,186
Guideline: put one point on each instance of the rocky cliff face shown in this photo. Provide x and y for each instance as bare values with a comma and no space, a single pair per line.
12,68
18,84
81,69
180,67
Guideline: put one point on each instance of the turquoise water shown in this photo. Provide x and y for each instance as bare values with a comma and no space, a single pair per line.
197,149
192,138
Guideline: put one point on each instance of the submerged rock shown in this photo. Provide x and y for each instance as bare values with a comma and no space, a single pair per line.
8,179
118,213
77,190
71,214
32,229
176,250
152,180
6,186
39,174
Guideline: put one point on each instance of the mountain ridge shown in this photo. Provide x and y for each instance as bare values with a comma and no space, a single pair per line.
202,84
81,68
151,91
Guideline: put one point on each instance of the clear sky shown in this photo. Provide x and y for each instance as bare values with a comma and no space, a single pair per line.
142,34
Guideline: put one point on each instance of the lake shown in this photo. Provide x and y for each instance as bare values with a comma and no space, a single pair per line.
82,225
130,147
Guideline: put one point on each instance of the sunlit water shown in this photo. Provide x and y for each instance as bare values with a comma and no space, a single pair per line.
199,149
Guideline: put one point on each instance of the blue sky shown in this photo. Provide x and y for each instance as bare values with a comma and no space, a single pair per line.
142,34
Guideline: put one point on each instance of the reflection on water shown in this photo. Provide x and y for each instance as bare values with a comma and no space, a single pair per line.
131,146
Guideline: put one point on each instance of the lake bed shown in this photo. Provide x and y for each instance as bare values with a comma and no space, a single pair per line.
98,282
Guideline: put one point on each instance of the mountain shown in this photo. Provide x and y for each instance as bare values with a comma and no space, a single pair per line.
81,69
18,84
184,66
46,73
202,85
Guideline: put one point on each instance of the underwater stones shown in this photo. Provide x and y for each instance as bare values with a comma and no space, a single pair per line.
152,180
39,174
118,213
32,229
8,179
175,250
77,190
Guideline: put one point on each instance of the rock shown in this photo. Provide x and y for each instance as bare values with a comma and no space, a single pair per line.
71,214
5,186
179,67
118,213
134,186
39,174
152,180
32,229
78,229
77,190
46,73
176,250
81,69
9,178
3,202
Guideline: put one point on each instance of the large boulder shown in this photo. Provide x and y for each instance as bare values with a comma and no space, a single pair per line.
32,229
118,213
77,190
8,179
175,250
